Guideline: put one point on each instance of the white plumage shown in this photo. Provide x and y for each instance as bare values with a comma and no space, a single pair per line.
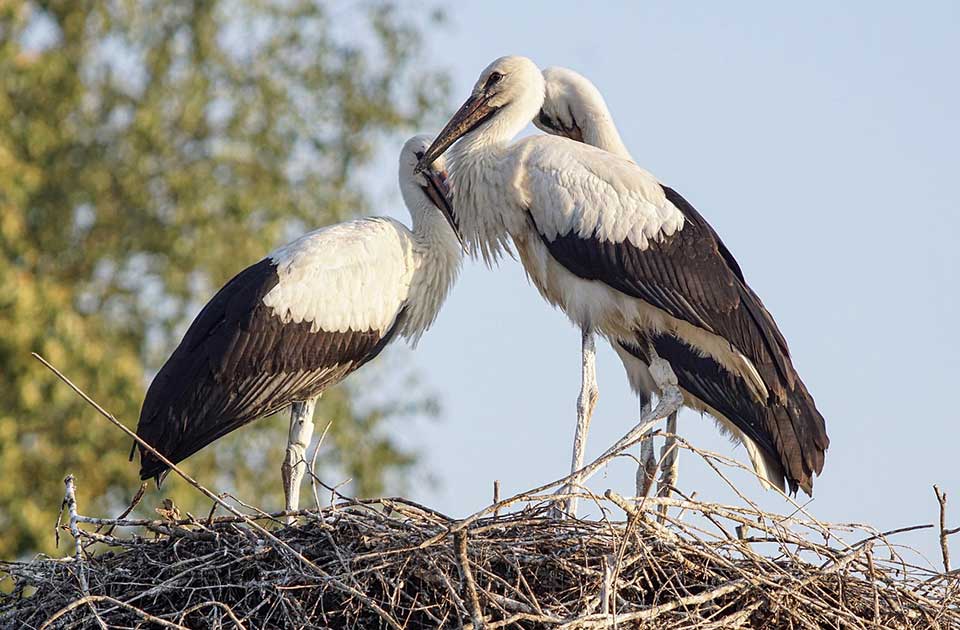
367,263
373,266
563,192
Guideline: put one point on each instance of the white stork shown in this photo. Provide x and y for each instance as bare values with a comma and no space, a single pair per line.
619,253
300,320
574,108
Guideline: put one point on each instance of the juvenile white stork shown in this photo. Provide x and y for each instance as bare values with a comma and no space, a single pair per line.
300,320
619,253
574,108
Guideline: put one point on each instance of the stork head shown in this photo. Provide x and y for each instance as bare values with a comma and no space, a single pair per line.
569,100
425,189
507,95
574,108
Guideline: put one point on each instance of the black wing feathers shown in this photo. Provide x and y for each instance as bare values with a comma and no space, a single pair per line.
693,277
238,362
692,214
710,383
752,301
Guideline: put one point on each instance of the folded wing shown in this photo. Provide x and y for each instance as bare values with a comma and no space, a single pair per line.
280,331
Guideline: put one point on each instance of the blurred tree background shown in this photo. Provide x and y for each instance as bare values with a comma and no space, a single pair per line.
148,151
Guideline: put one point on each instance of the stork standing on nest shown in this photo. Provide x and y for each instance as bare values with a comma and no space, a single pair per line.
302,319
574,108
621,254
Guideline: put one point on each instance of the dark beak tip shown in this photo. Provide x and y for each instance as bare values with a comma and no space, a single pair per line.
425,162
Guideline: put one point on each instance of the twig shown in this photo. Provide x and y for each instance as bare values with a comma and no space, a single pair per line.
312,469
655,611
221,606
460,539
606,591
944,544
134,502
190,480
70,503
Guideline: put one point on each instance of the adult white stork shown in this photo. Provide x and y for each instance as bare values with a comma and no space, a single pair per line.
300,320
619,253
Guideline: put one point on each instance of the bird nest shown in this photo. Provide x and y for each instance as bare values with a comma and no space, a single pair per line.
390,563
660,562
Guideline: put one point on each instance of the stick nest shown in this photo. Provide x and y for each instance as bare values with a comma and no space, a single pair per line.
391,563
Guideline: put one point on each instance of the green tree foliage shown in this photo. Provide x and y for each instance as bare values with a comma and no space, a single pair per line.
148,151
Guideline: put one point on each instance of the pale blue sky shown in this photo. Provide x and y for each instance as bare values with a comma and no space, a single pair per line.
821,141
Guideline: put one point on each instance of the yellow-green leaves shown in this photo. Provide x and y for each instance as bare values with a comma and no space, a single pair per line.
148,151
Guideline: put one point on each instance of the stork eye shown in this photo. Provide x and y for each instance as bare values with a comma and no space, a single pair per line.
492,80
418,155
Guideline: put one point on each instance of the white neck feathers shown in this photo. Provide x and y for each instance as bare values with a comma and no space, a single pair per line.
599,131
436,258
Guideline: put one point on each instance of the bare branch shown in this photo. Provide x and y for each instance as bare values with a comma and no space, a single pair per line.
944,532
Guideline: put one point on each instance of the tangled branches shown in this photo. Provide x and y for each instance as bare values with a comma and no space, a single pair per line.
391,563
659,562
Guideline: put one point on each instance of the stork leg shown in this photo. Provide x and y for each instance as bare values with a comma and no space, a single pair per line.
647,468
670,401
294,463
669,463
585,405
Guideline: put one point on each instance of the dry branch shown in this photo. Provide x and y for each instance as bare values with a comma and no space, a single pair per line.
944,532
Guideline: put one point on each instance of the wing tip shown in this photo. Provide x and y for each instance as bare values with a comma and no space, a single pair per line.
151,468
809,428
